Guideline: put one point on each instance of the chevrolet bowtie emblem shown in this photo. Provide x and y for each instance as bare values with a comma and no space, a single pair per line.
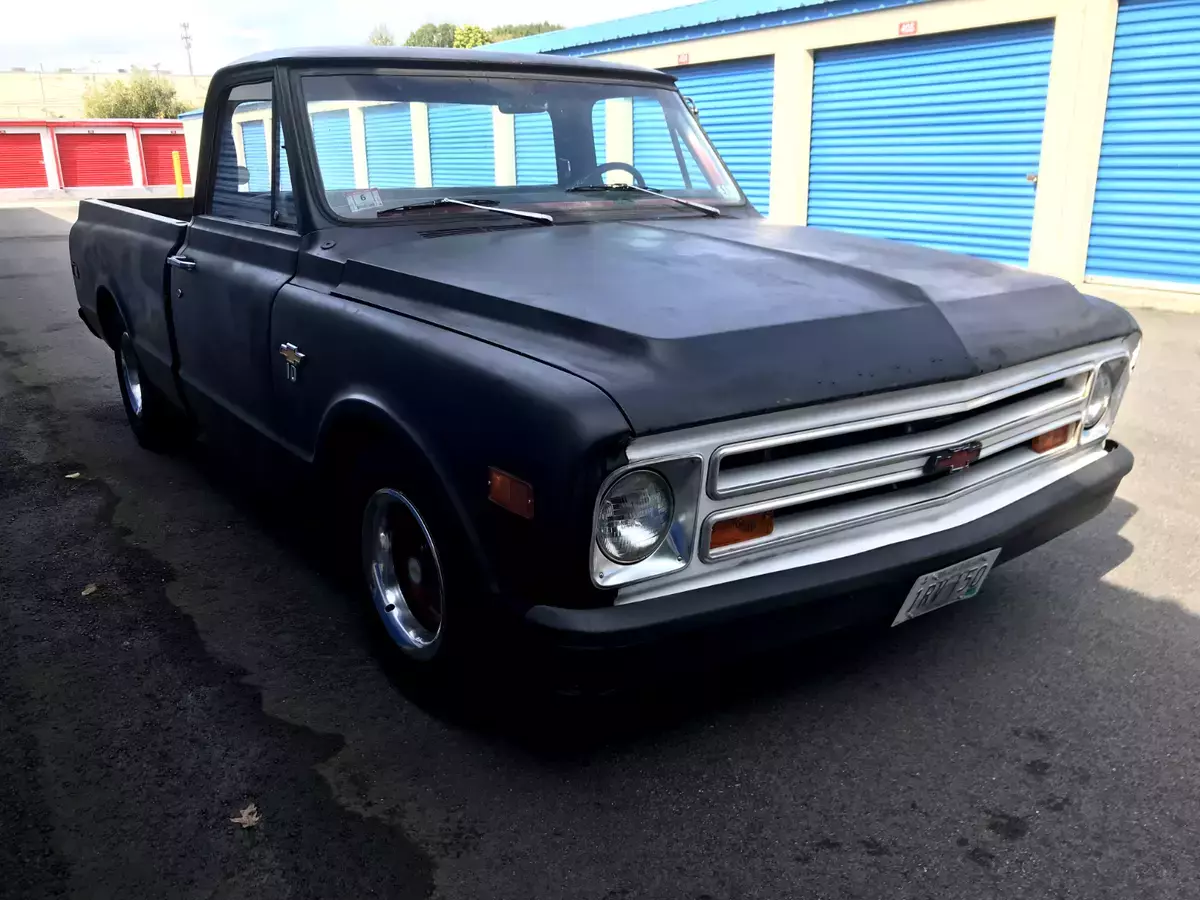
293,357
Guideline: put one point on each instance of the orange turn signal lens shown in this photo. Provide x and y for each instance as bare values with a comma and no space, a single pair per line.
743,528
510,493
1051,439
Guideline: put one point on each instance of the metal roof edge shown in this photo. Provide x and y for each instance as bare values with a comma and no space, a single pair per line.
705,19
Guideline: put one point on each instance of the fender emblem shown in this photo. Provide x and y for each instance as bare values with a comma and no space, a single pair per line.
954,459
293,357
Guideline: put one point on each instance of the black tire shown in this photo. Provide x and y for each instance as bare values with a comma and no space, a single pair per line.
156,424
432,632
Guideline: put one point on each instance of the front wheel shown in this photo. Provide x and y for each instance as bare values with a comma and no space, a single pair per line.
415,569
403,572
155,423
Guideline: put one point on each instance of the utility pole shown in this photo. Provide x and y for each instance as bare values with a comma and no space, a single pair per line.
185,35
42,85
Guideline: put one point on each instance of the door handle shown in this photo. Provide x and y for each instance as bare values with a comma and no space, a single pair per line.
181,262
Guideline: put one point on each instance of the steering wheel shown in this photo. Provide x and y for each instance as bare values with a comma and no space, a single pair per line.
596,175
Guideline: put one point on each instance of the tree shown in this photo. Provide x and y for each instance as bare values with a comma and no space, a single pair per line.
511,32
431,35
381,36
468,36
142,96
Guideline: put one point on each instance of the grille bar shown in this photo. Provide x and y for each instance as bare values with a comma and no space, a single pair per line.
904,457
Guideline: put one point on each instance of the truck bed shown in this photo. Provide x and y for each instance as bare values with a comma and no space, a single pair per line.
167,207
119,248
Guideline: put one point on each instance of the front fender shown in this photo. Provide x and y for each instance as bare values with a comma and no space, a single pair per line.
467,406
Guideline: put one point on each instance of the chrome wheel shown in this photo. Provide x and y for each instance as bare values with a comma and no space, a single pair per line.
403,573
131,375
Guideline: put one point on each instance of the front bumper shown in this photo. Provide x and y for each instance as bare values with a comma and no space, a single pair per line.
830,596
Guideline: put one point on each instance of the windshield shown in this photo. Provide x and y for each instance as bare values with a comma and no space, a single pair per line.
384,141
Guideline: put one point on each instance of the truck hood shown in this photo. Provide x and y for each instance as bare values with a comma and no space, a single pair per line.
694,320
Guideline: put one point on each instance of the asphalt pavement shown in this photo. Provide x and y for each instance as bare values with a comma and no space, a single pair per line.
173,649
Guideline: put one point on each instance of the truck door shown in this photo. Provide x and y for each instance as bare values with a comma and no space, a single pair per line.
232,263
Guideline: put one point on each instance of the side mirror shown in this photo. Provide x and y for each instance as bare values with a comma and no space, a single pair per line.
691,107
243,176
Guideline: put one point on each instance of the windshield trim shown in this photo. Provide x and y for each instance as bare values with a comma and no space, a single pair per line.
651,79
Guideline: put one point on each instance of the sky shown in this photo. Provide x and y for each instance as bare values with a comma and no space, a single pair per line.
106,35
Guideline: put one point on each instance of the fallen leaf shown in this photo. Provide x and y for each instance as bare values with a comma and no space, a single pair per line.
90,589
248,817
74,475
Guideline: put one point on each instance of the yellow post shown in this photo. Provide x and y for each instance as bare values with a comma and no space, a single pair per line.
178,173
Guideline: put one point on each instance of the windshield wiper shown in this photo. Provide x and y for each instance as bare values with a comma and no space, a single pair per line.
620,186
540,218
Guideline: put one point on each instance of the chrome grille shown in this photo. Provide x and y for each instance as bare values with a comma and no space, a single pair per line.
895,444
847,476
873,460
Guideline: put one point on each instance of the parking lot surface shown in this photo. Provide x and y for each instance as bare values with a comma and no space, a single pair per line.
173,650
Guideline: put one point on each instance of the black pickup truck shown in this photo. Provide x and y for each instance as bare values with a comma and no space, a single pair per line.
596,396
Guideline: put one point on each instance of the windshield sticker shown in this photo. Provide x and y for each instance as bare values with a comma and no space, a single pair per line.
727,191
360,200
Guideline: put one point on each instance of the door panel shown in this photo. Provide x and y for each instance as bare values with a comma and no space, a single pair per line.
931,140
335,156
21,162
389,146
534,138
94,160
222,319
160,165
1146,216
461,145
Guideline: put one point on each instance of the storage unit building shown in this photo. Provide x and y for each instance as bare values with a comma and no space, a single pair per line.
1053,134
89,156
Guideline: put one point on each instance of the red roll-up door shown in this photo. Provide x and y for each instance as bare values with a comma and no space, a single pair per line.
157,150
21,162
94,160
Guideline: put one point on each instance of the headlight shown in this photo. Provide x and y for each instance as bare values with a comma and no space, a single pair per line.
1100,397
634,516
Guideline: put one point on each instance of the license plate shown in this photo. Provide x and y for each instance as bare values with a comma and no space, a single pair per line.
933,590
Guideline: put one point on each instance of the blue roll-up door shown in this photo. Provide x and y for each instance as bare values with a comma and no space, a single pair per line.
254,152
736,102
285,173
335,156
654,151
1146,217
389,146
535,149
461,145
931,140
600,131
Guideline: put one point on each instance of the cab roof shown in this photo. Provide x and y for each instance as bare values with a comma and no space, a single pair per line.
443,58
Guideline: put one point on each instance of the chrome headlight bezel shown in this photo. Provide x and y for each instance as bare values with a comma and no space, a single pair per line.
674,550
1118,369
647,480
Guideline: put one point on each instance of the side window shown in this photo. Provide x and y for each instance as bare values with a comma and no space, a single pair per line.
247,149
